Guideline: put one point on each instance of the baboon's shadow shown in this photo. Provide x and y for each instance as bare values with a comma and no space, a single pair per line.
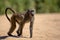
4,37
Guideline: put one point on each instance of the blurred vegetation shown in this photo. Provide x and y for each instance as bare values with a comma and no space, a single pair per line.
41,6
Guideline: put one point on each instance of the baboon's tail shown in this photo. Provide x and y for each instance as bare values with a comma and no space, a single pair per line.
6,13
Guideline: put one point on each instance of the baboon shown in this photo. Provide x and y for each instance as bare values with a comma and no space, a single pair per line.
21,19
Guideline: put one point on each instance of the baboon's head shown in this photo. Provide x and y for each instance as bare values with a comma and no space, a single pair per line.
30,12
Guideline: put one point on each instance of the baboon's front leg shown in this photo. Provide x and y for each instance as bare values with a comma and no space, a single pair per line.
31,28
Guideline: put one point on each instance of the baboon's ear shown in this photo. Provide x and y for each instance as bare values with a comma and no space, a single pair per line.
28,10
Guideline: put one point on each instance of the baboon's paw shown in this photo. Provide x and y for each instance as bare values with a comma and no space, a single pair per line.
10,34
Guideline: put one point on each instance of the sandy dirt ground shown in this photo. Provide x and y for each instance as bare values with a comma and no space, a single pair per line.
46,27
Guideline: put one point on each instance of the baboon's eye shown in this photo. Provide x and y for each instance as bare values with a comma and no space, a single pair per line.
32,10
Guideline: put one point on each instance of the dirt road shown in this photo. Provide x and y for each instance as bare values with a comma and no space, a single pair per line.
46,27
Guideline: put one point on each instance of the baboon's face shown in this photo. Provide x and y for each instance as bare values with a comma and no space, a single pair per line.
31,12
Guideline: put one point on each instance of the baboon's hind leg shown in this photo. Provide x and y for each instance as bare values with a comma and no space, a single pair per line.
13,26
